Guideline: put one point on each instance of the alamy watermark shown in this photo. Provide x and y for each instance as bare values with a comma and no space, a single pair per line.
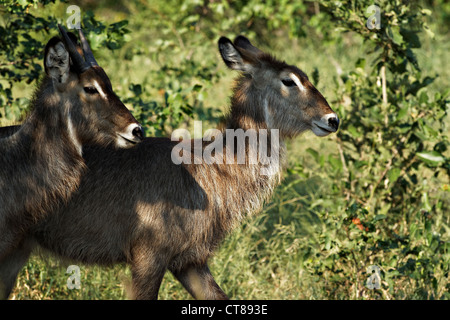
251,147
74,281
374,21
74,21
374,280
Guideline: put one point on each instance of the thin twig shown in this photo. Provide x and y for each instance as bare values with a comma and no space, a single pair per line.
388,167
341,155
384,92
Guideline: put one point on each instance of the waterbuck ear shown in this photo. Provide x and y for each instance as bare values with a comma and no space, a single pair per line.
243,43
57,61
235,58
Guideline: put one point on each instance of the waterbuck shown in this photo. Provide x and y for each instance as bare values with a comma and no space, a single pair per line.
41,164
141,208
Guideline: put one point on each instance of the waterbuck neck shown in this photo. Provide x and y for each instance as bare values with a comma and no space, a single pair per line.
46,152
248,106
238,190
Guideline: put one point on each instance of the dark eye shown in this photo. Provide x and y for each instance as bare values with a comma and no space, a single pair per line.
288,82
90,90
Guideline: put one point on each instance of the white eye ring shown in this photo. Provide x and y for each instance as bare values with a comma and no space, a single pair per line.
297,81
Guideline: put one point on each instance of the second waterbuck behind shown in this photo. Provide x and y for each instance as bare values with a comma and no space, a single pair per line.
141,208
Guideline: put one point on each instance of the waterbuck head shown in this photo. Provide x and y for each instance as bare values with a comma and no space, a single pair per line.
280,95
95,113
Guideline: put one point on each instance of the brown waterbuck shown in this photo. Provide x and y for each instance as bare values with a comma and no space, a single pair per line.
140,207
41,164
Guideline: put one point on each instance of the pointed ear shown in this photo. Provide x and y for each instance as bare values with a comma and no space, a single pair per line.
243,43
235,58
57,61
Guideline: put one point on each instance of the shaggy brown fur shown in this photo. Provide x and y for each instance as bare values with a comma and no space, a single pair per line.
138,207
41,164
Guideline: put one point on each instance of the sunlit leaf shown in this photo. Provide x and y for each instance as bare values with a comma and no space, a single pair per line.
431,156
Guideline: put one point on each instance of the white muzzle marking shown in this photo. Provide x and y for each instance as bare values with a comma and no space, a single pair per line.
127,138
322,127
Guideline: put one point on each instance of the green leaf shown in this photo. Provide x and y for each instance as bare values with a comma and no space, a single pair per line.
394,33
96,40
197,87
360,63
402,112
23,3
423,97
353,131
431,156
379,217
393,174
335,162
412,231
314,153
411,38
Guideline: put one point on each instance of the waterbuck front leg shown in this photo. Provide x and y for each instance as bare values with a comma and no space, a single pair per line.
8,241
199,282
10,266
147,269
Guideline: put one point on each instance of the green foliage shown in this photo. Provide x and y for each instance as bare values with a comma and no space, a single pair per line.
20,54
375,194
392,142
413,263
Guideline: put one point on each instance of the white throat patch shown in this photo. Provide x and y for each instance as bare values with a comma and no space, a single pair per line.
73,135
267,114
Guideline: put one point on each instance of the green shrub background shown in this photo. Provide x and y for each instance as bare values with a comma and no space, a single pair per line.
376,193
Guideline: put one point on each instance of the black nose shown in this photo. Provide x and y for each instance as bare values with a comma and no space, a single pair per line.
334,123
138,133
